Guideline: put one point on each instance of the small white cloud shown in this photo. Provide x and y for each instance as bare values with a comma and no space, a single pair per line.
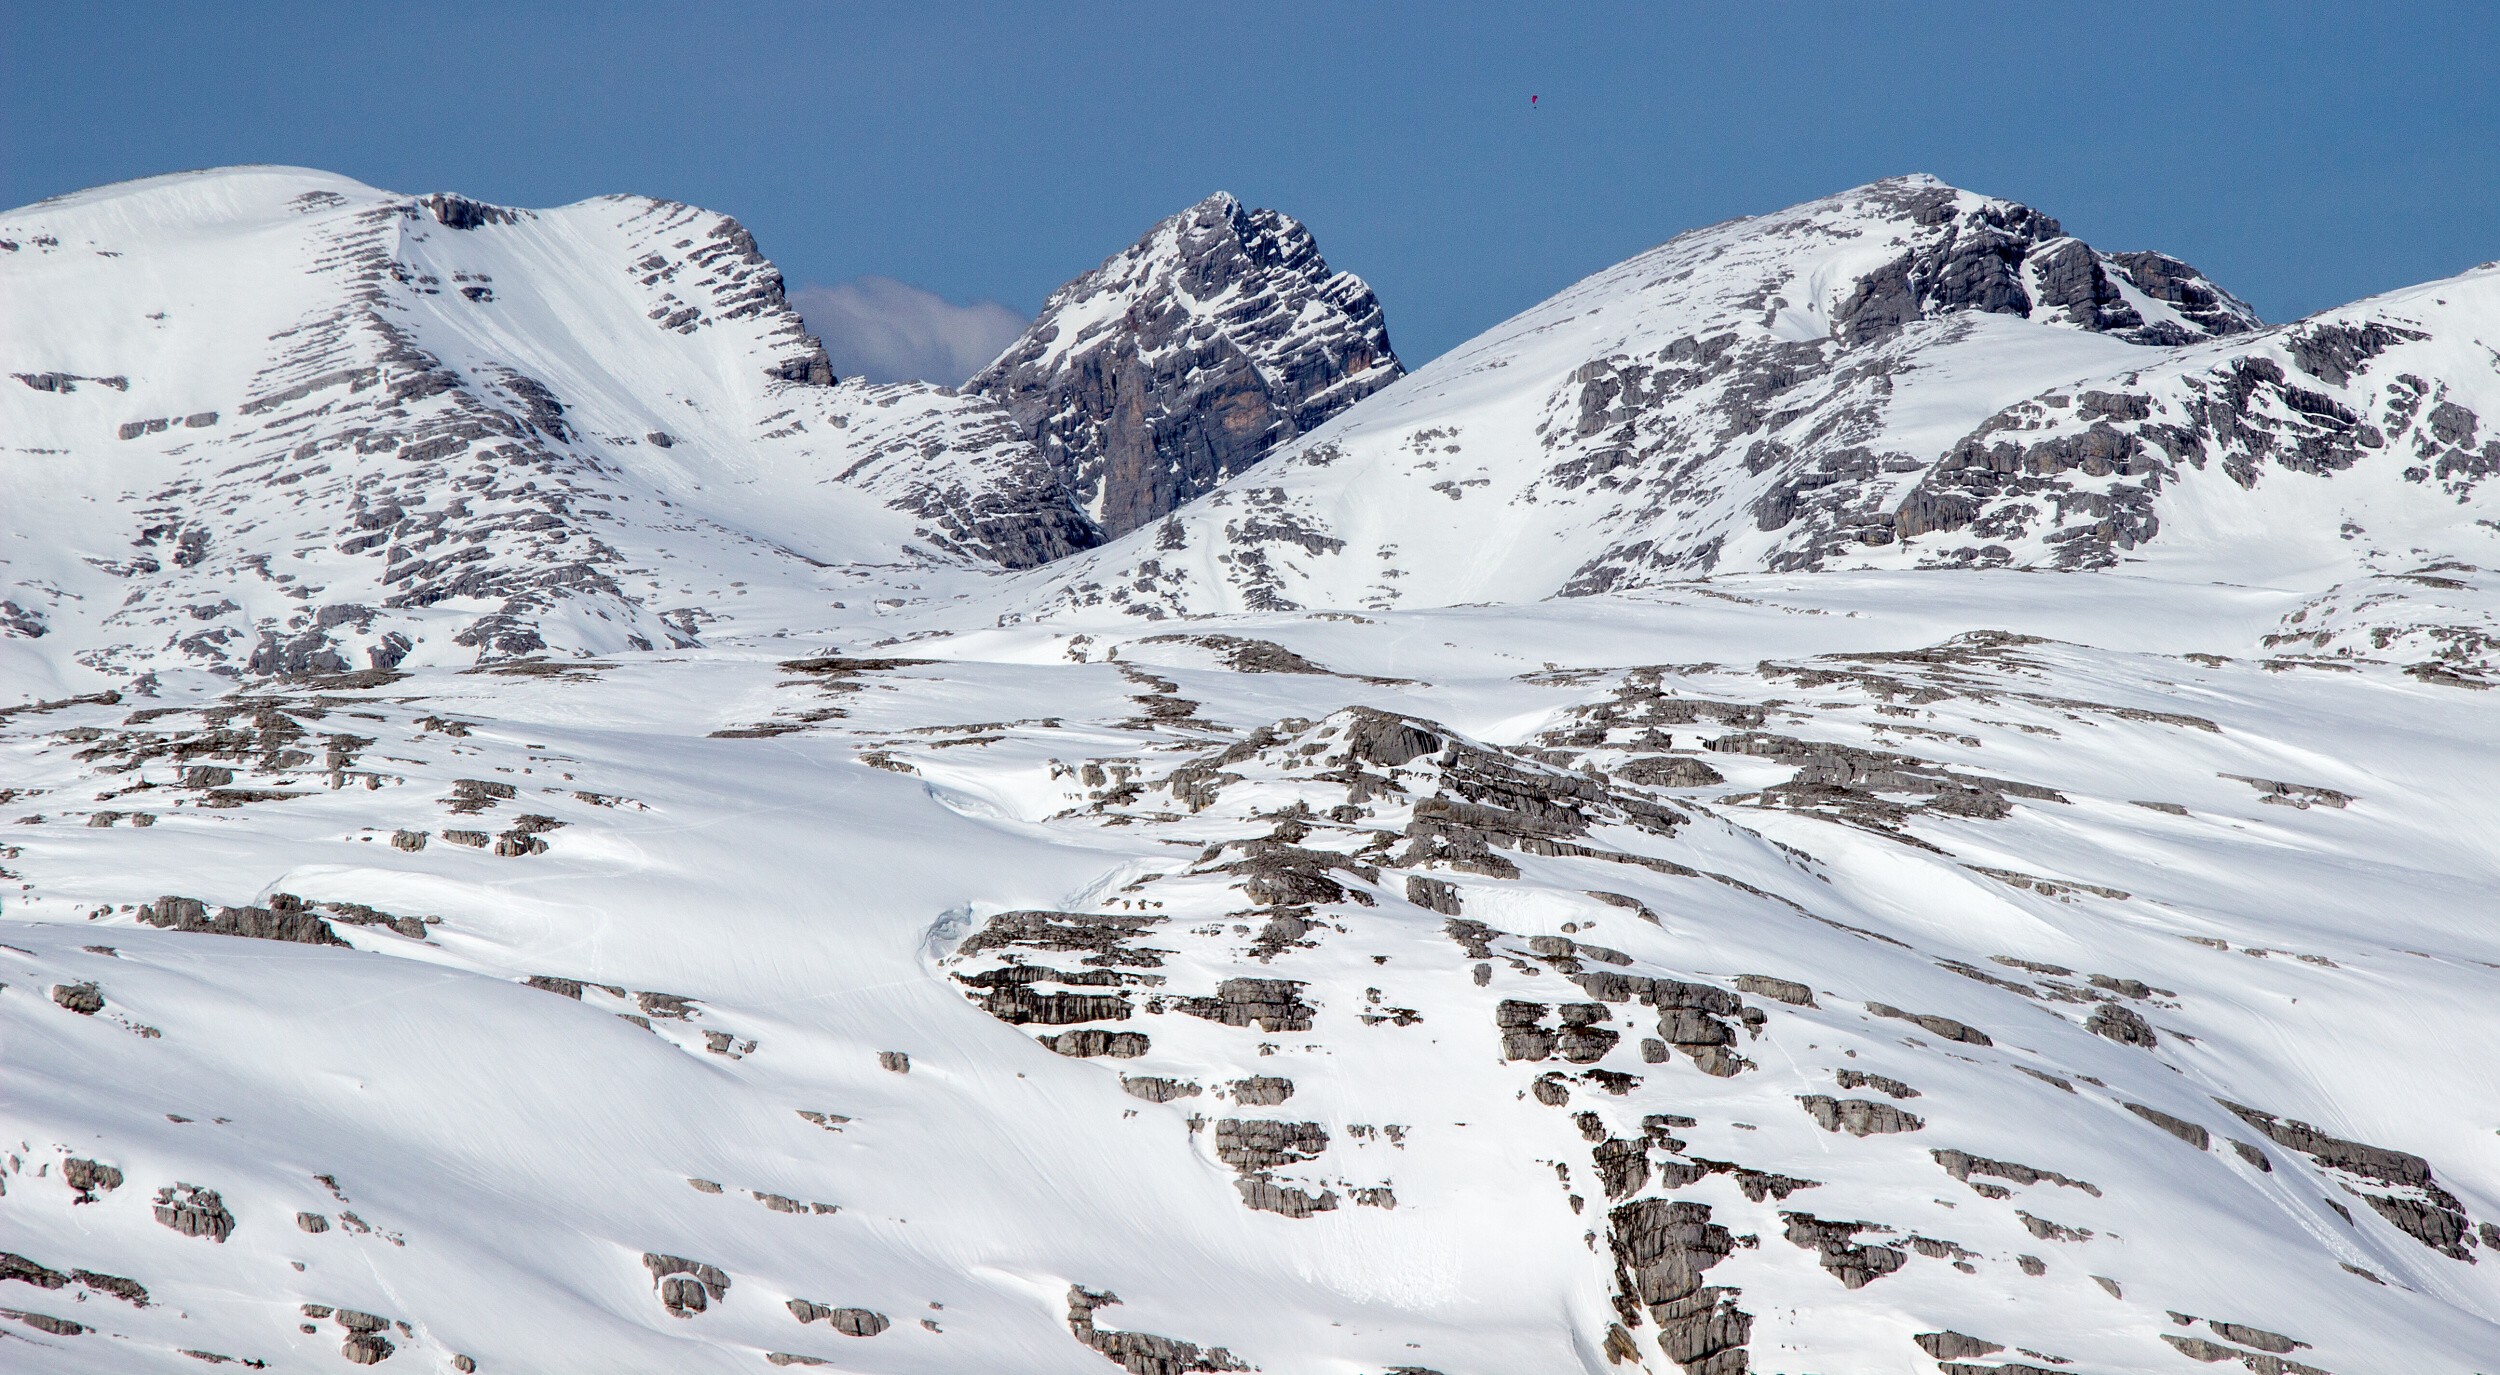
890,331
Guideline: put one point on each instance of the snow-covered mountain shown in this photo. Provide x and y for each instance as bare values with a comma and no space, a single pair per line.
1900,376
275,421
1179,363
749,924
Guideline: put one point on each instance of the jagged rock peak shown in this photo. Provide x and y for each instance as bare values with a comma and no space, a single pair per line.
1185,358
1981,253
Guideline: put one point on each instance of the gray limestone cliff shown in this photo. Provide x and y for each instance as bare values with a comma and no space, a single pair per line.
1184,359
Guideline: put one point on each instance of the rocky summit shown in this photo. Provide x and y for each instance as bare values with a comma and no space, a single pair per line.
1900,376
1874,788
1176,365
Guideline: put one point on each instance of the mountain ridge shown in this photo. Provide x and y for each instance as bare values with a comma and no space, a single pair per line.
520,375
1820,387
793,902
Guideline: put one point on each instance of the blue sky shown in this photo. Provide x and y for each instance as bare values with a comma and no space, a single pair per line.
2301,154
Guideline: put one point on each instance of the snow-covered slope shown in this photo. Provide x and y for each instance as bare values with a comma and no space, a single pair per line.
1791,975
2086,966
274,420
1182,361
2349,439
1837,385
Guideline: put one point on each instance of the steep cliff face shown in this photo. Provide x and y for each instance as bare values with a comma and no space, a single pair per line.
1183,360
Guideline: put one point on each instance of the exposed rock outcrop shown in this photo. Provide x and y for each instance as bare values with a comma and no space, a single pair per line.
1855,1263
262,923
686,1287
1141,1353
194,1211
1857,1116
850,1322
82,998
1179,363
89,1178
2398,1185
2005,258
1661,1248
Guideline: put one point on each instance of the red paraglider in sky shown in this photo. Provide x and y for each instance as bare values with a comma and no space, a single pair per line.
1532,102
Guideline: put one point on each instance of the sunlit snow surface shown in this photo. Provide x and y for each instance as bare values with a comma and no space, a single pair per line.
260,409
2005,870
515,1152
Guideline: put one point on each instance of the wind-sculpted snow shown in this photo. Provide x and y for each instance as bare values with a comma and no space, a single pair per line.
1782,973
274,421
1181,362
